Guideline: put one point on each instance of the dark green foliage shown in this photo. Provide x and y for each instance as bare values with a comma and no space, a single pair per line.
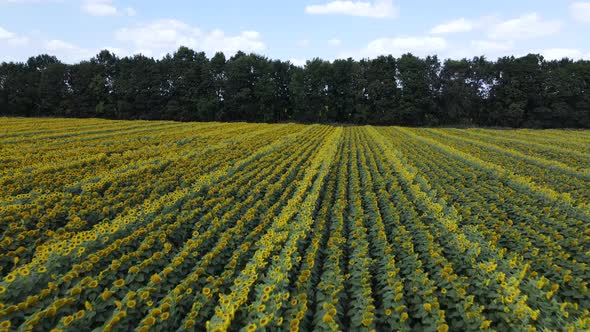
187,86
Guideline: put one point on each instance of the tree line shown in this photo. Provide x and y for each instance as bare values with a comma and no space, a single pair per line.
527,91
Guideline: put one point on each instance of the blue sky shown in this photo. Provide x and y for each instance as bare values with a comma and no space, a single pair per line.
295,30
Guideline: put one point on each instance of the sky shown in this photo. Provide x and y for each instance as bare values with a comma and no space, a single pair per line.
295,30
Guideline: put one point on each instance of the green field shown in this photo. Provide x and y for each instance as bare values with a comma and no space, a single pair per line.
166,226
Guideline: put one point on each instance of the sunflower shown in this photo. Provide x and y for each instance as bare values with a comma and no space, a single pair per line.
51,311
189,323
80,314
149,321
5,324
76,290
106,295
264,321
144,295
155,278
404,317
366,322
68,320
486,324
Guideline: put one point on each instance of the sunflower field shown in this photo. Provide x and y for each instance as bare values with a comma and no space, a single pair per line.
166,226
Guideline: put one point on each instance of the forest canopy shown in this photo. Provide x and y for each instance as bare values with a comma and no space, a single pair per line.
527,91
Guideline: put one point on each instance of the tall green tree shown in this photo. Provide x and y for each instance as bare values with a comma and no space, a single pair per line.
417,79
186,85
382,93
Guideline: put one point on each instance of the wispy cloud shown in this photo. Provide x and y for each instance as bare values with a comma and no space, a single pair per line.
458,25
105,8
378,9
527,26
334,42
580,11
12,39
162,36
397,46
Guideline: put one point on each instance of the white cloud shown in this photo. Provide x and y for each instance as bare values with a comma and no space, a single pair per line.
378,9
99,7
5,34
419,46
58,45
163,36
12,39
423,46
490,47
397,46
29,1
298,62
560,53
580,11
105,8
18,41
68,52
15,47
334,42
303,43
19,47
458,25
120,52
71,53
527,26
130,11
